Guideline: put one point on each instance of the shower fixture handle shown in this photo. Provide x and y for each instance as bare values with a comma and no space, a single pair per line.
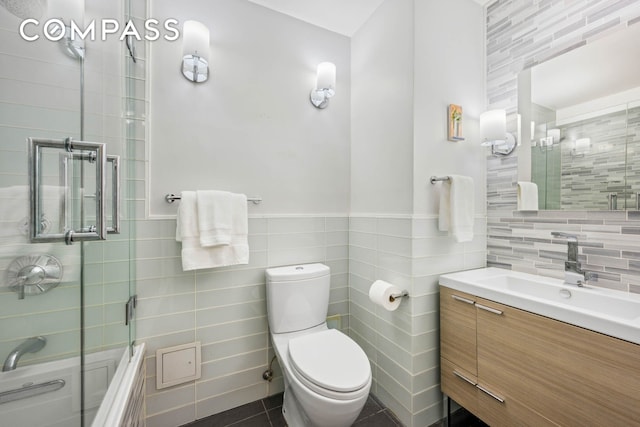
33,274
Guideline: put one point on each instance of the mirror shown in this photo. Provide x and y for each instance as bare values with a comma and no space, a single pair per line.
579,123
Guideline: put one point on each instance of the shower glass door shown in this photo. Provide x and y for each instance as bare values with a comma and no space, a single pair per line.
62,306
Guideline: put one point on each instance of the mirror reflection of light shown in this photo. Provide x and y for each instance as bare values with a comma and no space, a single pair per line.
583,143
533,129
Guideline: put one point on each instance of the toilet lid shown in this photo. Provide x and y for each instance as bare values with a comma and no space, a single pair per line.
331,360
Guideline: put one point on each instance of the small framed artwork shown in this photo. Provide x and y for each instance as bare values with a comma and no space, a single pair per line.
455,123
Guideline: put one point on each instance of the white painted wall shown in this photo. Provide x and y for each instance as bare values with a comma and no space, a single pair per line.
251,128
368,156
409,62
449,58
382,111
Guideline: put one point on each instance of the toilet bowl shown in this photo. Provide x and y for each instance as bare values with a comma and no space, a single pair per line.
327,375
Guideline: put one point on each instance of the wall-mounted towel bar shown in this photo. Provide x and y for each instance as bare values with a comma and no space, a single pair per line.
435,179
170,198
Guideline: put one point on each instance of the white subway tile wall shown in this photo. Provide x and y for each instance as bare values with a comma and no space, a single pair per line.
225,309
40,97
520,34
403,345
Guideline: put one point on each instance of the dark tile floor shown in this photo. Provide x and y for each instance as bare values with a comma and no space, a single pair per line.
268,413
461,418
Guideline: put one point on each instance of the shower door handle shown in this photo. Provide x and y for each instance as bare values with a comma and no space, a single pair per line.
40,156
114,161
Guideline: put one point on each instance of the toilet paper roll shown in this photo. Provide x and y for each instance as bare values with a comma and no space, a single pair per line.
380,293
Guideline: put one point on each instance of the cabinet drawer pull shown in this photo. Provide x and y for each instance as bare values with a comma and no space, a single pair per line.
465,300
495,396
489,309
459,375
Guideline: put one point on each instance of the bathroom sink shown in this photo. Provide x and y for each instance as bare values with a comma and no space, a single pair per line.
603,310
588,298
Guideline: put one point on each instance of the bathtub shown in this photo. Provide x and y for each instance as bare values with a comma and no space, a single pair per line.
123,404
107,384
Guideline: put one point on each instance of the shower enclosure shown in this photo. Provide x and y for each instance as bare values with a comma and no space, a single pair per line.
68,129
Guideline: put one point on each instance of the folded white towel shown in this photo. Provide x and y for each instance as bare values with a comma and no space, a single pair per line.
187,219
527,196
194,255
214,217
444,215
457,207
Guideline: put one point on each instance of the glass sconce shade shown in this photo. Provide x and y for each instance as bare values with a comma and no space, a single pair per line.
583,143
326,79
493,127
493,132
555,134
325,85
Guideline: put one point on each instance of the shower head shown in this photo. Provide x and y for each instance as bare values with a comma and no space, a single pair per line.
24,8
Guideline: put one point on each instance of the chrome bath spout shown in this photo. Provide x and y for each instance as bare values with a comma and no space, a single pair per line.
30,345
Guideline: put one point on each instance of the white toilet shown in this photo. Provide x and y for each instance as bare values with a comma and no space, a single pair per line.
327,375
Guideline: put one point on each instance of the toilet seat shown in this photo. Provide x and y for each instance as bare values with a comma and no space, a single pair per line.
330,363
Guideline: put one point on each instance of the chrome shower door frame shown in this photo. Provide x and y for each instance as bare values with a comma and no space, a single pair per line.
69,235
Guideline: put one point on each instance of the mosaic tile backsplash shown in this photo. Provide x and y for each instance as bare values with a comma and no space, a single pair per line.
520,34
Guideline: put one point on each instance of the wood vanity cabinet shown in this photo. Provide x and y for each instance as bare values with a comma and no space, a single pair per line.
530,370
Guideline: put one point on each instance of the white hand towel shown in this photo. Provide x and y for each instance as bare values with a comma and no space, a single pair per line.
214,217
444,216
457,207
187,219
194,255
527,196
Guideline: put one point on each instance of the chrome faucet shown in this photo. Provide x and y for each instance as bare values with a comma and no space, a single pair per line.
574,274
30,345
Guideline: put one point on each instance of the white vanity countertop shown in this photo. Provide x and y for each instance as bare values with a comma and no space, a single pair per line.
610,312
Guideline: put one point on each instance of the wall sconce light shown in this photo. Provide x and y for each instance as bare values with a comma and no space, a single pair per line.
325,85
67,11
582,146
553,138
583,143
554,134
533,130
493,132
195,51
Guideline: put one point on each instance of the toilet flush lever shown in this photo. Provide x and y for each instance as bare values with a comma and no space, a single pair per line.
394,297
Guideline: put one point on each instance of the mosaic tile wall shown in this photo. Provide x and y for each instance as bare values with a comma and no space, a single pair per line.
590,174
520,34
633,159
583,176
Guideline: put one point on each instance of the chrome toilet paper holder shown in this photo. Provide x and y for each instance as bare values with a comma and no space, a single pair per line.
394,297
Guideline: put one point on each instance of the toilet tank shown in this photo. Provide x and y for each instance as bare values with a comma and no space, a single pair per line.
297,297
